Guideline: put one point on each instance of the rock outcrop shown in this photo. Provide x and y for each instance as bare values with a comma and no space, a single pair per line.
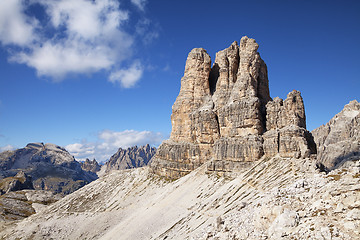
132,157
224,115
19,182
51,167
21,204
339,140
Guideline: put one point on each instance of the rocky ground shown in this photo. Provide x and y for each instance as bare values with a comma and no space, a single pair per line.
316,207
21,204
276,198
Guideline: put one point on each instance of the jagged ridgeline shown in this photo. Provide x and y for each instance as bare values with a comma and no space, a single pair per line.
132,157
224,115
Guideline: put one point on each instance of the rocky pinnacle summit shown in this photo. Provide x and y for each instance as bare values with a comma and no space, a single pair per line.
224,115
132,157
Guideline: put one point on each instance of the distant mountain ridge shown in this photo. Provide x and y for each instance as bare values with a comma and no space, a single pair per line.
51,167
132,157
90,166
40,174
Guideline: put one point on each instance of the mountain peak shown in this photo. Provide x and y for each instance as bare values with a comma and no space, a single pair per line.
352,105
131,157
50,166
224,115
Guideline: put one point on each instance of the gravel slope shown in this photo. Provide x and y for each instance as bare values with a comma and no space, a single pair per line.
276,198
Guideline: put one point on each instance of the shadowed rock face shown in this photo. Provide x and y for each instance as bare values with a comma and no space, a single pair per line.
339,140
224,115
19,182
90,166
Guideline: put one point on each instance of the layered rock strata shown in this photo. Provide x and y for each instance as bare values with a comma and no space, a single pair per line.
224,115
21,204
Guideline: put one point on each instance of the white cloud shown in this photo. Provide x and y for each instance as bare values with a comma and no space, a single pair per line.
109,142
76,37
79,149
127,77
87,19
140,4
15,26
7,148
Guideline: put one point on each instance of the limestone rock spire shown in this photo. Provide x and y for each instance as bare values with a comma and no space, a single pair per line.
224,115
194,92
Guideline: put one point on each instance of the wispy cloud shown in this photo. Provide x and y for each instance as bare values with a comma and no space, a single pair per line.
7,148
127,77
147,30
72,37
109,142
140,4
15,26
166,68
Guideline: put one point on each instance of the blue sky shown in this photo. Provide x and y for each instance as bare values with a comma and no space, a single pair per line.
97,75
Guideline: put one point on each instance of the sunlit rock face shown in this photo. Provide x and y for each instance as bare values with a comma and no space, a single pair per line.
132,157
339,140
224,115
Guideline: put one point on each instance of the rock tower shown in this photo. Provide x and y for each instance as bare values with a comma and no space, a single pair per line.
224,115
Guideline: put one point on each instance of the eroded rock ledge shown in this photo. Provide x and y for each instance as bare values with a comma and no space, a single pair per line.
224,115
